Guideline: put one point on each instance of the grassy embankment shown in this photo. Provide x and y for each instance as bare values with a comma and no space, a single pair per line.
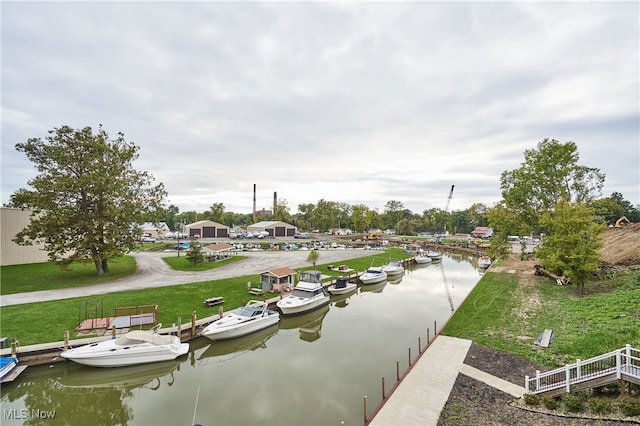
47,321
507,312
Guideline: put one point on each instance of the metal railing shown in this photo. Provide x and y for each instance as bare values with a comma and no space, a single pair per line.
619,364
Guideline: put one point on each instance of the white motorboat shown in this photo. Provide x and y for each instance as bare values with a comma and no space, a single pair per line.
373,275
393,268
133,348
307,295
254,316
423,259
484,262
342,286
435,255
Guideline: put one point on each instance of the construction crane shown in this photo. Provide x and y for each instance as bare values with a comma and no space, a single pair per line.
446,210
444,217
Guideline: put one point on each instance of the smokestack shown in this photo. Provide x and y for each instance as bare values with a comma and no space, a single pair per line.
254,203
275,201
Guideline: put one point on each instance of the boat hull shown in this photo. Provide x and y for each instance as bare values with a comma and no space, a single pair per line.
291,305
248,327
344,290
423,260
8,364
109,354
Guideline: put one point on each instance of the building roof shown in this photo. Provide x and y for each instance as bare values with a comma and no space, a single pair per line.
267,223
205,222
217,247
280,272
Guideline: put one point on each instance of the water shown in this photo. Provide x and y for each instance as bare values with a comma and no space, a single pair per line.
313,369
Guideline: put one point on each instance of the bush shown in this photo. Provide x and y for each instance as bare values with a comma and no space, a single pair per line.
629,405
550,403
573,402
531,399
600,405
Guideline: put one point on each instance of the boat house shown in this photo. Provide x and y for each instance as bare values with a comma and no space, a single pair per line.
207,229
277,279
273,228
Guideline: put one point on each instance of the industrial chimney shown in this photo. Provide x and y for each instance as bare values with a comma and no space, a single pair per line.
275,202
254,203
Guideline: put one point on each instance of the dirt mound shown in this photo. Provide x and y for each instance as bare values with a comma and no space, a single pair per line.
622,245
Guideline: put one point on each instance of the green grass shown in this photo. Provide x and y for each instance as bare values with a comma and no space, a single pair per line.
49,276
47,321
182,263
506,315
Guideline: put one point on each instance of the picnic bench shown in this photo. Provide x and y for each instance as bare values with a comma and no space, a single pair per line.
213,301
256,291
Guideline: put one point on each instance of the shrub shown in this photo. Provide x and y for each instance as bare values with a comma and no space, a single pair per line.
573,402
531,399
629,405
600,405
550,403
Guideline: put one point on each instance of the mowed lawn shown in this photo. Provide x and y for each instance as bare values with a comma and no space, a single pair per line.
43,322
507,313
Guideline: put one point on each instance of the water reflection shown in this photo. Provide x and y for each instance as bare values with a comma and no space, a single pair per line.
342,300
125,378
373,288
237,346
309,324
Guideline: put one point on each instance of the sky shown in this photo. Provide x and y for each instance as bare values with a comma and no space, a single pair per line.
353,102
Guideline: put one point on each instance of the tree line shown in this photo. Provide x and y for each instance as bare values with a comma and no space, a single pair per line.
88,197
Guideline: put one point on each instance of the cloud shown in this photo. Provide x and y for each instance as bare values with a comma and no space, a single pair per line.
350,102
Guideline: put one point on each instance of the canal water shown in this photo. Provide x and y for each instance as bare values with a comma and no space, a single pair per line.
313,369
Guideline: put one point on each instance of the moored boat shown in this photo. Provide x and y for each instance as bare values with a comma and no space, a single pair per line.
7,364
307,295
133,348
373,275
423,259
484,262
342,286
435,255
394,267
252,317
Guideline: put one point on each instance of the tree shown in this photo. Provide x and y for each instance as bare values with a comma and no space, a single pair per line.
88,195
281,211
572,242
393,213
313,257
548,175
359,218
217,212
194,254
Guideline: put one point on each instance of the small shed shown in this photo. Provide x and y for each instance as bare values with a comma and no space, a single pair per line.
482,232
274,228
277,279
207,229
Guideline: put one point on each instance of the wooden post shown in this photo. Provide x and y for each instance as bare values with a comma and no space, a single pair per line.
427,336
113,331
365,408
179,328
14,347
397,370
419,345
193,324
409,357
220,312
435,329
384,396
66,340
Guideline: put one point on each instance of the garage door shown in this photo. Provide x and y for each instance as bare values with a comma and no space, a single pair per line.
222,233
291,232
280,231
208,232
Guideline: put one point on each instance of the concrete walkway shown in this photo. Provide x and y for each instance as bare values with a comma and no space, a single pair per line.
421,396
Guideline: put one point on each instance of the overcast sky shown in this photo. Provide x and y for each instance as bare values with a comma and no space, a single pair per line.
351,102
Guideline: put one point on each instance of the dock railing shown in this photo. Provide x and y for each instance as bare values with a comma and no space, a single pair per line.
621,364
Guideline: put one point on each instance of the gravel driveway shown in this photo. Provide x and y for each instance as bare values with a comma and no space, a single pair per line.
152,271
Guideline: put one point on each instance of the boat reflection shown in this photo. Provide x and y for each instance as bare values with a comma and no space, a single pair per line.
394,280
374,288
236,346
310,324
126,378
342,300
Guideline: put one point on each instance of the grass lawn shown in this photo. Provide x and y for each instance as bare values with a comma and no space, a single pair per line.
47,321
49,276
507,313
